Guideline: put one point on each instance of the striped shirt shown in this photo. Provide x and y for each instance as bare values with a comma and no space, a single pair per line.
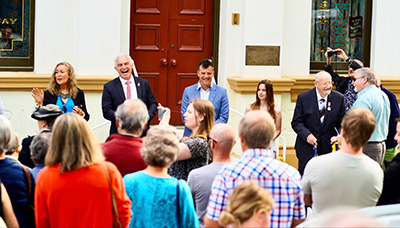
281,180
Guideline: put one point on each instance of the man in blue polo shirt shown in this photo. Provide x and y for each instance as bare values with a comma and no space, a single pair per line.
371,97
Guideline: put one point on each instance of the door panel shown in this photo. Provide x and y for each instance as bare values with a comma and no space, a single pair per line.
168,40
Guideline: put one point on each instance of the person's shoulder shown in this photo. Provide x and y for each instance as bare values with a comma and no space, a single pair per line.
110,166
285,169
183,185
47,93
307,93
27,140
200,171
141,80
115,80
79,90
336,94
218,87
135,178
191,87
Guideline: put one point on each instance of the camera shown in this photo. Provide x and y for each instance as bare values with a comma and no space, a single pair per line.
332,52
160,114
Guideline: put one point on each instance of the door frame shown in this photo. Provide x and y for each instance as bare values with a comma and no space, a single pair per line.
215,35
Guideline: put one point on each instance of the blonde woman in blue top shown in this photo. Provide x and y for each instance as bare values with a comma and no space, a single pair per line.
63,91
159,200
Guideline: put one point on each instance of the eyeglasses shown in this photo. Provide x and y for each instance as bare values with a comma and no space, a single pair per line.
326,83
209,139
355,79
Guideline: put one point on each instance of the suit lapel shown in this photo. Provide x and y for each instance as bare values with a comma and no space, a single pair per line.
328,109
213,93
139,86
315,104
119,90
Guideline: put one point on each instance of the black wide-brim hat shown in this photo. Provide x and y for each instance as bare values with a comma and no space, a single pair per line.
47,112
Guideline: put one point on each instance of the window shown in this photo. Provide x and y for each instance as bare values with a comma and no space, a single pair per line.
16,37
344,24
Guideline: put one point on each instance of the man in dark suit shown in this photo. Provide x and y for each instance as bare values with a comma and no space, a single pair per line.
126,87
316,119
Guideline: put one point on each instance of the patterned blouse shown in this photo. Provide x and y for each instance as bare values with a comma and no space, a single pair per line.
199,150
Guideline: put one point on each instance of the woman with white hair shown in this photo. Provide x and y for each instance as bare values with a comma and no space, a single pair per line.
159,200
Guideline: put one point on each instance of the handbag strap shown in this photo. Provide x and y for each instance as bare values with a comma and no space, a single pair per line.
29,205
178,211
1,203
114,202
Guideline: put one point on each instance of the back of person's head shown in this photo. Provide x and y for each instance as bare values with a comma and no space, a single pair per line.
15,147
49,113
359,62
7,135
132,116
358,124
244,202
206,63
73,144
257,129
224,135
367,73
160,146
39,146
206,109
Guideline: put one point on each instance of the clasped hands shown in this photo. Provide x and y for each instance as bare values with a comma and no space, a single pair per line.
314,141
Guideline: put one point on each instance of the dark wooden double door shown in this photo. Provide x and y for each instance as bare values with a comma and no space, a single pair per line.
168,40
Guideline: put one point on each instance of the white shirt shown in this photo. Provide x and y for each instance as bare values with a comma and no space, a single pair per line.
204,94
133,88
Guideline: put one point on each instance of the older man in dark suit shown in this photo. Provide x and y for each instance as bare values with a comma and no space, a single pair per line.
316,119
126,87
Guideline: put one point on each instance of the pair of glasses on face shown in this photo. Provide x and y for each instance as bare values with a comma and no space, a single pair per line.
355,79
326,83
209,139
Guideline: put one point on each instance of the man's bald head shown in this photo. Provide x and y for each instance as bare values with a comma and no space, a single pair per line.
224,135
257,129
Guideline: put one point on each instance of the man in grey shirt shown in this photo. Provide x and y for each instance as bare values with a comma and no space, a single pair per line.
346,177
221,141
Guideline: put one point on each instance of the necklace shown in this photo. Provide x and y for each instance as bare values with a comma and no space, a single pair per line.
64,96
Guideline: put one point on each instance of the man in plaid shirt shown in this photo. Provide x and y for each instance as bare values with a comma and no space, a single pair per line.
256,132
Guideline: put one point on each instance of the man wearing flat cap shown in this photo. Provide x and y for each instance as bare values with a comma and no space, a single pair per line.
46,116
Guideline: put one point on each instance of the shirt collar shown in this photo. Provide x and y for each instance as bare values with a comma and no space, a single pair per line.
256,152
123,81
365,90
199,85
319,97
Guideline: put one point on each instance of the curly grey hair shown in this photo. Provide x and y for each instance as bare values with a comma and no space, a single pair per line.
160,146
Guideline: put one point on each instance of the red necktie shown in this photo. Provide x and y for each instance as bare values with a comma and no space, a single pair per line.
128,90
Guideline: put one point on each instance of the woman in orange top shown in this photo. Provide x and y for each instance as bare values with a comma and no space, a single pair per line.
73,190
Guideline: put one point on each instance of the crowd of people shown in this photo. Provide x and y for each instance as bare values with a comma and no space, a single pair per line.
150,177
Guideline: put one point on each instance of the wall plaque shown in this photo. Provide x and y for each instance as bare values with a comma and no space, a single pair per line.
262,55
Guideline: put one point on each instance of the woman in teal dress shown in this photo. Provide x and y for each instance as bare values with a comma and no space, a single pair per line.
159,200
63,91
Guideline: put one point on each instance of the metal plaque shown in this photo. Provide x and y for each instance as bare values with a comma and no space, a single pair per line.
262,55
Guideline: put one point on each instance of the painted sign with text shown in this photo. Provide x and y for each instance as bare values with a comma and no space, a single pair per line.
14,28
